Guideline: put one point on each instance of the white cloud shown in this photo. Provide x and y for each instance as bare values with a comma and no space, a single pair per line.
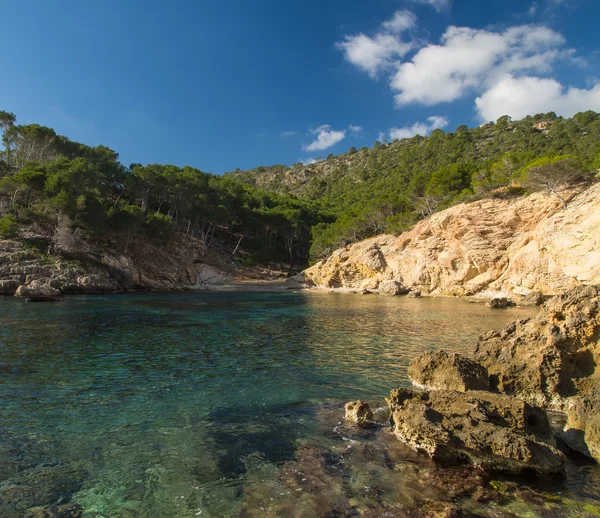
438,5
400,22
522,96
287,133
326,138
379,52
419,128
355,130
469,59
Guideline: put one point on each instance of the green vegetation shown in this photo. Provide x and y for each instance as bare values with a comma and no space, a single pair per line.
391,186
280,213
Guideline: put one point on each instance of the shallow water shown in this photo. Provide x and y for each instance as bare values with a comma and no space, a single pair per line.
169,405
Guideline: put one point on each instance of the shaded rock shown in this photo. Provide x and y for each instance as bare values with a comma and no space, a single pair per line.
544,360
359,412
9,286
441,370
36,291
582,430
499,303
415,294
494,432
391,288
533,298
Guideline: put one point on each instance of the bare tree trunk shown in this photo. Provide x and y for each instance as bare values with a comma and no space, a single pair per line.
237,246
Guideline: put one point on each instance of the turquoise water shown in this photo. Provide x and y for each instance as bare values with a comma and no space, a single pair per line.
163,405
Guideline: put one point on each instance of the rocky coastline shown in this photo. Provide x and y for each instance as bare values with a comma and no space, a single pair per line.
490,412
522,249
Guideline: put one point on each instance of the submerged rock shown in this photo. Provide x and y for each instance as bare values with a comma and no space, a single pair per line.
495,432
441,370
359,412
36,291
544,360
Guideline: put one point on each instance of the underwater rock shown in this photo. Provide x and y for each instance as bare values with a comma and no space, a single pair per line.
41,489
36,291
440,370
546,359
495,432
359,412
55,511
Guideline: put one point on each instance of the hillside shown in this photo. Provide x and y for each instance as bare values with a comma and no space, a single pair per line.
388,188
519,247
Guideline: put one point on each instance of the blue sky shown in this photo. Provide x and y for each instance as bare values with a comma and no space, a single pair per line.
233,83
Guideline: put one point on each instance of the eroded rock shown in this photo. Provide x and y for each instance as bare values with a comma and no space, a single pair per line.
359,412
544,360
440,370
495,432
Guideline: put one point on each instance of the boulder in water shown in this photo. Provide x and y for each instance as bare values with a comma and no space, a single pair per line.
495,432
36,291
440,370
359,412
391,288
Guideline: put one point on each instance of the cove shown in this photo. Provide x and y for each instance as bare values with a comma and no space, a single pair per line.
198,404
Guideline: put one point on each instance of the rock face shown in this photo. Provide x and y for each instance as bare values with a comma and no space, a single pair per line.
547,359
447,371
36,291
359,413
86,269
508,247
495,432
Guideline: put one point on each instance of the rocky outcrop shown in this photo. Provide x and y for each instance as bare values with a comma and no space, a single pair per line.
546,360
513,248
37,291
441,370
359,412
495,432
86,269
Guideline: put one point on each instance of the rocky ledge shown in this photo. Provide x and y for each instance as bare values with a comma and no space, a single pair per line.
34,262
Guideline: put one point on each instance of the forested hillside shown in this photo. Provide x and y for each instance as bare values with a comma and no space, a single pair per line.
389,187
54,186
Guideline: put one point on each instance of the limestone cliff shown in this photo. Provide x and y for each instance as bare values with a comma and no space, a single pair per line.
513,246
